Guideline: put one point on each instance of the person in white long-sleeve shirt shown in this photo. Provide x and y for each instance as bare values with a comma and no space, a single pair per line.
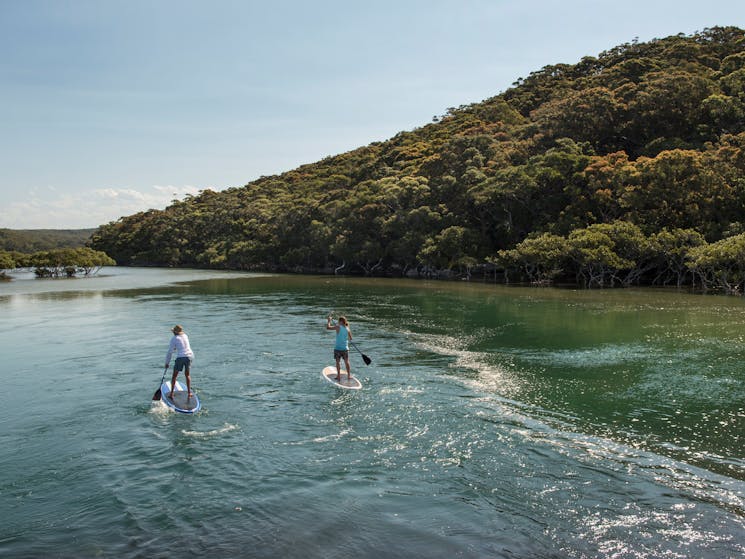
184,356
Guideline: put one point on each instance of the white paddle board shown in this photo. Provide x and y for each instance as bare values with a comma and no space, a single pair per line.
178,400
329,373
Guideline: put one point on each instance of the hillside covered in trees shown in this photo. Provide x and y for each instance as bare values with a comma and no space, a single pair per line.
33,240
624,168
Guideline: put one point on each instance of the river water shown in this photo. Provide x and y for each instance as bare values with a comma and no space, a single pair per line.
494,421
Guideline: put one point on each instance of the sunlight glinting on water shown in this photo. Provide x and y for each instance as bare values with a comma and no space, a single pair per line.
559,433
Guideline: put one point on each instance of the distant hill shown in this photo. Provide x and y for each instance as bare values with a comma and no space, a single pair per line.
33,240
642,140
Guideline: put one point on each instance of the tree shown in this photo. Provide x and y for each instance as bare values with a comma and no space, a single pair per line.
90,261
561,183
679,189
596,262
666,105
541,259
673,252
408,233
68,262
588,115
503,206
448,249
608,177
724,113
7,262
636,254
720,265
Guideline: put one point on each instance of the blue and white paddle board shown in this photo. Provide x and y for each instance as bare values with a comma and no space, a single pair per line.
178,401
329,373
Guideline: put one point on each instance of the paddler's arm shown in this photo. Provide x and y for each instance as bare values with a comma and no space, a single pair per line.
171,349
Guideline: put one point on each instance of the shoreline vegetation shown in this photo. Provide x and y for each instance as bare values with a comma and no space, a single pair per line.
55,263
623,169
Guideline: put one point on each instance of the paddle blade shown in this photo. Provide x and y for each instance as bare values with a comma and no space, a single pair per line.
366,359
157,395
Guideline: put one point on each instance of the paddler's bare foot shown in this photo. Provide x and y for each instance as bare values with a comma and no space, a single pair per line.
337,379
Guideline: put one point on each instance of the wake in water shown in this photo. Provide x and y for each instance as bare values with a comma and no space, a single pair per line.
157,407
227,428
594,445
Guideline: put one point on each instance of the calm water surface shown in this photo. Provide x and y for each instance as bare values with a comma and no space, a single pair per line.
494,421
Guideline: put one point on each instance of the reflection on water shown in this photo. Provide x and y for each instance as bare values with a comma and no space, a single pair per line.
109,279
494,421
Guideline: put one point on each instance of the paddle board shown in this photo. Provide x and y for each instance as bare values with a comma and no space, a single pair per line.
178,400
329,373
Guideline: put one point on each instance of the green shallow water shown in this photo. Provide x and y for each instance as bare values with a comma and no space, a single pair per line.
494,421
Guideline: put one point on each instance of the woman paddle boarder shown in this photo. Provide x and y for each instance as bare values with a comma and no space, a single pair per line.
341,346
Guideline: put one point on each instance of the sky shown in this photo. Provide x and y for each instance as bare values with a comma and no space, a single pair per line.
110,107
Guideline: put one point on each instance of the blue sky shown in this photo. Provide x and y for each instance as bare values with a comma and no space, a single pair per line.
109,107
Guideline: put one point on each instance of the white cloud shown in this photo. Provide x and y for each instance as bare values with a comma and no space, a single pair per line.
87,209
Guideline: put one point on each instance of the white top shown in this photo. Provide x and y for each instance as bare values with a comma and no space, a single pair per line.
179,344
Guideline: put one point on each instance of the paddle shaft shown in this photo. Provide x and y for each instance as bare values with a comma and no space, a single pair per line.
157,394
365,358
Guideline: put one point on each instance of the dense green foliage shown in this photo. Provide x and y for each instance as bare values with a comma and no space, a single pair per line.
60,262
32,240
623,168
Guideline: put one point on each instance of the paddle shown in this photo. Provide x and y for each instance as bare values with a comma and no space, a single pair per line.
365,358
157,394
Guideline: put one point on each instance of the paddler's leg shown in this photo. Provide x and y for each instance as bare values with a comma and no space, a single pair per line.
349,368
338,368
173,381
187,372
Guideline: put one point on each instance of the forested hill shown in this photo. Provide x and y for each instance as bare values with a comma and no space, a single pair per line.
33,240
581,171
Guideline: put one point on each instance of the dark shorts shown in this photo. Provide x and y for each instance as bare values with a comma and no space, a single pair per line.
341,354
182,363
